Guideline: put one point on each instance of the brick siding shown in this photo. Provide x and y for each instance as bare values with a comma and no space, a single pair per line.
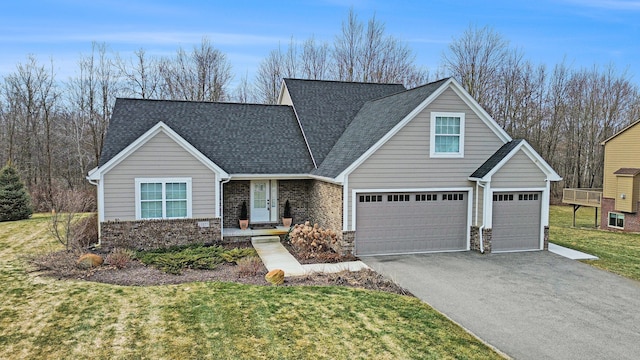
154,234
631,220
234,193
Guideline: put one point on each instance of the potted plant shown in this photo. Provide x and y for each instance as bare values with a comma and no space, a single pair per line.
244,217
286,216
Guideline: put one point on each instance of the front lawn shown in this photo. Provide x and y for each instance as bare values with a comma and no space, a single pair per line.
46,318
618,252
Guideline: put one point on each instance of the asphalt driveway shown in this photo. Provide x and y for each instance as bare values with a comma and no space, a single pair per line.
530,305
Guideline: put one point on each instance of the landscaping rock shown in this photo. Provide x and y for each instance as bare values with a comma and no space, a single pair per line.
275,277
88,261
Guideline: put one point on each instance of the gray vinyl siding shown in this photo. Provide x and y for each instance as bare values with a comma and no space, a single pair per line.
519,172
479,195
404,161
159,157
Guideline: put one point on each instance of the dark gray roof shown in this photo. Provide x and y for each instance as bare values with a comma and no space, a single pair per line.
627,171
495,159
240,138
373,121
326,108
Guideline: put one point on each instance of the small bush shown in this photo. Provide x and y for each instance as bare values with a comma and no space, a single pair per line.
234,255
60,263
120,258
85,232
275,277
310,241
249,266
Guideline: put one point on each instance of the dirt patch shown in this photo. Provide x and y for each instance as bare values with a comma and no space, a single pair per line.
63,265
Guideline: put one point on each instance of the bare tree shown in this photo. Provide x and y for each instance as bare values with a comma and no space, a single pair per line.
202,75
140,75
476,59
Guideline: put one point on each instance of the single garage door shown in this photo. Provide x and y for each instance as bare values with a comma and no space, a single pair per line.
516,221
395,223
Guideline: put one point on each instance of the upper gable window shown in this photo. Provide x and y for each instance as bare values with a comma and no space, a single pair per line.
447,134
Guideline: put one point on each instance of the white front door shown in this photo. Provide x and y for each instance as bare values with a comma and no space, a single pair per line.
260,199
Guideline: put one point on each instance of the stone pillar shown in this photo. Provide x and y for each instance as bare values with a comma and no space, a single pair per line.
546,238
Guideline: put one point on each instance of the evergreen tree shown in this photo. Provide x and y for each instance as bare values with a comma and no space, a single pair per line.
15,203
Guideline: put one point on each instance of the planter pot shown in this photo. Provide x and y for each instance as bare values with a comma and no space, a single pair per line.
286,222
244,224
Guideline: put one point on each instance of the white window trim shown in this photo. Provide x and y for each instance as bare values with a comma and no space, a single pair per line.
609,218
432,137
164,181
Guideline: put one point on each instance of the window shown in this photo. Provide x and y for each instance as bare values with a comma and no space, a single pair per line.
527,197
616,220
398,197
502,197
426,197
370,198
454,197
163,198
447,134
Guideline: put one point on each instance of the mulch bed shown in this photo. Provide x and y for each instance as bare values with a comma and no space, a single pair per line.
138,274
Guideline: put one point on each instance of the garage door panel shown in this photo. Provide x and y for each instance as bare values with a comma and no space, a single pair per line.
414,224
516,221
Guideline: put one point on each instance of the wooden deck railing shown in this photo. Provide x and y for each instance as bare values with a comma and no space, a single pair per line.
585,197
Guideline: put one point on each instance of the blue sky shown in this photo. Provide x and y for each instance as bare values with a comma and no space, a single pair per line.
585,33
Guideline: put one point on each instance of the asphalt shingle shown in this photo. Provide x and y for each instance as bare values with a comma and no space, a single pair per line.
374,120
495,159
326,108
240,138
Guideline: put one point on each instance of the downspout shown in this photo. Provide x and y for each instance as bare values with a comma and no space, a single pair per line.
481,228
95,183
222,207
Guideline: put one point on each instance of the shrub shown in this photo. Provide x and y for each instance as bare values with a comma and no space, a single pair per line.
15,203
175,259
249,266
59,263
119,258
84,231
310,241
88,261
234,255
275,277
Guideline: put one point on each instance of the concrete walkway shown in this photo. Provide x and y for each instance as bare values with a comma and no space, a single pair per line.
275,256
570,253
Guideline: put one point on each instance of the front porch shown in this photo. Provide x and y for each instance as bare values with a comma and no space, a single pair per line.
229,233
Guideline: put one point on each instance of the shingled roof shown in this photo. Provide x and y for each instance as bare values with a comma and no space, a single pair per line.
240,138
495,159
326,108
374,120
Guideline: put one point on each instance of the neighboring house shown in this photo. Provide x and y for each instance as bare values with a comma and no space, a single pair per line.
391,170
621,182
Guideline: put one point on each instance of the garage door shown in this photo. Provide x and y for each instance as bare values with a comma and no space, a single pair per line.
395,223
516,221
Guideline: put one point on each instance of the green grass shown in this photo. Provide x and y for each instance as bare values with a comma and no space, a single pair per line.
618,252
45,318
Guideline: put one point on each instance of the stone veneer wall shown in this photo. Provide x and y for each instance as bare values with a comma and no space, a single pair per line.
234,193
346,243
325,205
155,234
475,240
297,192
546,238
631,220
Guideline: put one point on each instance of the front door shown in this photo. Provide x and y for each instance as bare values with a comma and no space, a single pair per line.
260,199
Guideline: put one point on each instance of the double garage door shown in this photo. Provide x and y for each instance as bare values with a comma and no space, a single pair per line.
516,221
396,223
